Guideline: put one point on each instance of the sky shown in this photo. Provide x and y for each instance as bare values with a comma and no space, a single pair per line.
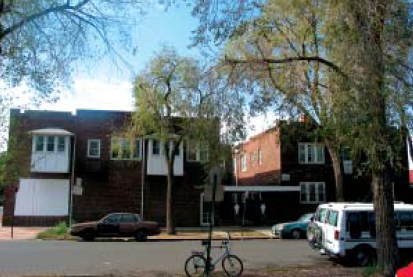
103,86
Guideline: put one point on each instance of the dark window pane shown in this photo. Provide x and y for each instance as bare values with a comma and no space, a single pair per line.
405,219
137,149
312,193
61,144
39,143
112,219
50,144
372,225
354,225
128,218
126,151
155,147
364,222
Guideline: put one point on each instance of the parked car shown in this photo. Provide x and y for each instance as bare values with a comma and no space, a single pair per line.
116,225
348,230
296,229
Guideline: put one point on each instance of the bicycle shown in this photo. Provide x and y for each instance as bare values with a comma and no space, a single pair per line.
195,265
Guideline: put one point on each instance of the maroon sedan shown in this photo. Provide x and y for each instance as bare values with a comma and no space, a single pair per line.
116,225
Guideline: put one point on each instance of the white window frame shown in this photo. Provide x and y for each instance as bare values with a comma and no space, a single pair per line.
35,138
89,142
131,151
243,162
260,156
306,186
45,144
317,147
190,147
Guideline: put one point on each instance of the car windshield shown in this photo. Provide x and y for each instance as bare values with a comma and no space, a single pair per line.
305,217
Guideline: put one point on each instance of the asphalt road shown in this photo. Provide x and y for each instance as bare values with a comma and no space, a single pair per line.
57,257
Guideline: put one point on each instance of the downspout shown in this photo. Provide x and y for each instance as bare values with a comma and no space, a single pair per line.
143,177
72,182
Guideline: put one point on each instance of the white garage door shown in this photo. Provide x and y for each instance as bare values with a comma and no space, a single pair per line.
42,197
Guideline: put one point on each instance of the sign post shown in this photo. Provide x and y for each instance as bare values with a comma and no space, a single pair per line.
214,179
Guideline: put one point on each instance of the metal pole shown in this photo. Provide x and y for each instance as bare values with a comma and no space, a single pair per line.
211,225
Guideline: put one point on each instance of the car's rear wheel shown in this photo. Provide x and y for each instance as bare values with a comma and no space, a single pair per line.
141,235
363,256
296,234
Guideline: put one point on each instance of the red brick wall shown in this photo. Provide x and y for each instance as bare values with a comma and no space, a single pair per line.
267,173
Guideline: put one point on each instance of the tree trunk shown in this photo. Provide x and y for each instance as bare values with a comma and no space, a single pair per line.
386,241
170,160
338,170
170,224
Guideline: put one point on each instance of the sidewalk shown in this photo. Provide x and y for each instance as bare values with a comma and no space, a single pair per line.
236,233
19,233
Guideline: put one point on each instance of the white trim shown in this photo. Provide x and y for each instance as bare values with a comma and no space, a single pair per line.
244,160
51,132
317,146
316,184
89,141
261,188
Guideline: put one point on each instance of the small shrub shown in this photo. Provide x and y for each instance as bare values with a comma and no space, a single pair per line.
60,231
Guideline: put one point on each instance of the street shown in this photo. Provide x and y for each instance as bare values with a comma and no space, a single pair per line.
70,257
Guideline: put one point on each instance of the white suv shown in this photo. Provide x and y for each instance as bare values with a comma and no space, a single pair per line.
348,230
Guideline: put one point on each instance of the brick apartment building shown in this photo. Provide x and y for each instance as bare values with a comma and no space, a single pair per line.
289,171
76,165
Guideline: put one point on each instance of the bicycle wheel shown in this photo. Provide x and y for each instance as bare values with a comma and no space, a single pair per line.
232,266
195,266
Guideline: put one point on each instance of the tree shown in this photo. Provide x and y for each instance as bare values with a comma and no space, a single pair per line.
294,89
41,39
177,101
370,44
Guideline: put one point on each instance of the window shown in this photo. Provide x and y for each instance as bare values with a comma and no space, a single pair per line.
203,153
311,153
312,192
125,149
197,152
136,149
243,162
359,223
321,215
93,148
39,143
128,218
112,219
61,144
50,144
156,150
333,218
404,220
259,156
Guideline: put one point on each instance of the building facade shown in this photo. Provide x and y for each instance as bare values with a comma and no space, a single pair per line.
286,171
79,166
